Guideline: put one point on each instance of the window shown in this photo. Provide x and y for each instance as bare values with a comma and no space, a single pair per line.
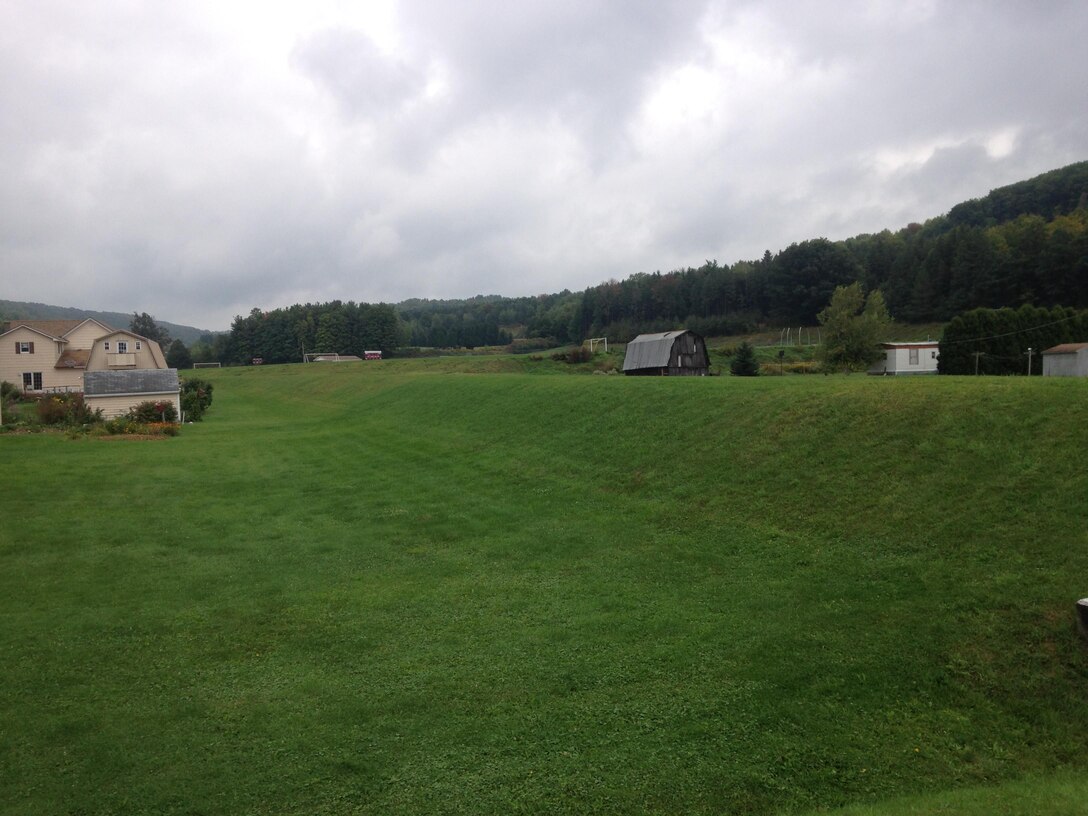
32,381
122,347
933,355
913,355
138,346
107,345
24,347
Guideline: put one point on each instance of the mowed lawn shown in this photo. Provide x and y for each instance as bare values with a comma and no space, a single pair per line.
380,588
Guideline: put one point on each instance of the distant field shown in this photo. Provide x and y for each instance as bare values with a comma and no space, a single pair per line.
388,588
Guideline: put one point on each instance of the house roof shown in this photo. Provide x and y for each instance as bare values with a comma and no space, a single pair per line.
57,329
1066,348
54,328
911,344
73,358
650,350
111,333
131,381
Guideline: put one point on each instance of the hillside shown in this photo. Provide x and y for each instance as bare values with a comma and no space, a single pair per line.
1026,243
382,588
14,309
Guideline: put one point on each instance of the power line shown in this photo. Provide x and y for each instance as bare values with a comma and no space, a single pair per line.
1010,334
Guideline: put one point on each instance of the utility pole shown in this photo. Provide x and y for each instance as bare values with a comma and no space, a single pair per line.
976,355
1028,353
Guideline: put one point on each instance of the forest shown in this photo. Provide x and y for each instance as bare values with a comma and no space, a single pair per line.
1024,244
285,335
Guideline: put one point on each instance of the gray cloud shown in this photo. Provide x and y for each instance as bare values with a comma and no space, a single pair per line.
364,82
196,160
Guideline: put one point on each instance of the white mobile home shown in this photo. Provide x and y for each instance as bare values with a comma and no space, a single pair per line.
907,358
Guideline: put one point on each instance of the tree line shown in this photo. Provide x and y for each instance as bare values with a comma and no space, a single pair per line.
1024,244
997,341
285,335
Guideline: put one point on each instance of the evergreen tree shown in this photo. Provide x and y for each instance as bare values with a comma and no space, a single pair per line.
744,363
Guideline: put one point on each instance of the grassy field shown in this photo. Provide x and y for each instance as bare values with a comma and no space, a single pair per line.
387,588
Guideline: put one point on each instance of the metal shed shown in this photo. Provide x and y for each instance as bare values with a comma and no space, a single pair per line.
1066,360
678,353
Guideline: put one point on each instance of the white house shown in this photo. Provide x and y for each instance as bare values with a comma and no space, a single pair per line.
907,358
54,355
1066,360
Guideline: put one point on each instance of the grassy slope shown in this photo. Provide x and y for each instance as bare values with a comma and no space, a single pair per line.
374,588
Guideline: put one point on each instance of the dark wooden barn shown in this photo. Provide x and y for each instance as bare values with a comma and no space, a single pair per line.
668,354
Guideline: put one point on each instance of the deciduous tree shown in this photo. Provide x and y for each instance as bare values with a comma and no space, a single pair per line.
178,356
852,327
145,326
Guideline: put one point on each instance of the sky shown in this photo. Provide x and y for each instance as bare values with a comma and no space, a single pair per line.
197,160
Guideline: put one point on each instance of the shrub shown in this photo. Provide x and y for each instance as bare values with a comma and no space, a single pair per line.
154,411
196,397
122,425
582,354
51,411
520,345
65,409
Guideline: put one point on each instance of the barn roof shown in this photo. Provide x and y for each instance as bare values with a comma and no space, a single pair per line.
1066,348
131,381
650,350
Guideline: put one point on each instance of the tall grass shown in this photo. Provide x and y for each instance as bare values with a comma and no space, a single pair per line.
381,588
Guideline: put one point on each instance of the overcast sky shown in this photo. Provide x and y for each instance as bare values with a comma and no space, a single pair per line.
197,159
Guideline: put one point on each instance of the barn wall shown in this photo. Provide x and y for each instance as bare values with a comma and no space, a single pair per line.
689,357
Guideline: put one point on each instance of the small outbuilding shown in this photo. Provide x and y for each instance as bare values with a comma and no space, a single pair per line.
116,392
678,353
1066,360
908,358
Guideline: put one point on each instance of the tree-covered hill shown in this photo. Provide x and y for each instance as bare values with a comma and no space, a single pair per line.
20,310
1026,243
1058,192
1023,244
